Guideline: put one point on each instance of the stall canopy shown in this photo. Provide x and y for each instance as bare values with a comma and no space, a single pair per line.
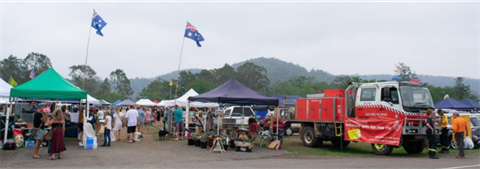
104,103
91,100
145,102
4,91
471,103
451,104
50,85
117,102
182,101
126,103
236,93
291,100
156,102
162,103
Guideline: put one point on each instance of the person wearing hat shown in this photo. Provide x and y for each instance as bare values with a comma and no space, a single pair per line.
459,127
444,136
39,118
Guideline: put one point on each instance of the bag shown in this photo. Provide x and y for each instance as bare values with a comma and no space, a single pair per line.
102,129
9,145
468,143
49,135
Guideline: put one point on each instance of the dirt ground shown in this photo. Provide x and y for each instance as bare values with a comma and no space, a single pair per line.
152,153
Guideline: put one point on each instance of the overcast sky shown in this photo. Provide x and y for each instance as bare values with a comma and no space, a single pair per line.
145,39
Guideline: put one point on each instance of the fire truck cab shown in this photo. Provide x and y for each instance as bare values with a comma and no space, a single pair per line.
367,106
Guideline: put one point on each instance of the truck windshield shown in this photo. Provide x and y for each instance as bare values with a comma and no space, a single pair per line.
415,99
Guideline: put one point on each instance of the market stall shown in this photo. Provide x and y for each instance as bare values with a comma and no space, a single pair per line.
126,103
449,103
234,92
182,101
472,104
91,100
145,102
4,91
116,102
48,85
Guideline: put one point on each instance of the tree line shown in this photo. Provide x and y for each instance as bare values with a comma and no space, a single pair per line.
117,85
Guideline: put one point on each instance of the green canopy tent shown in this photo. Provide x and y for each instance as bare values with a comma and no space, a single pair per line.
48,85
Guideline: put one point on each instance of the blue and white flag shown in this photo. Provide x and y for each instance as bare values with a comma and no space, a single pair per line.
98,23
192,33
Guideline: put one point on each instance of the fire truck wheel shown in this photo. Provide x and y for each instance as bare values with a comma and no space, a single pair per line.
414,147
382,149
309,139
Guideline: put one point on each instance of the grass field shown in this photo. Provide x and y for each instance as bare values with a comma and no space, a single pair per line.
294,144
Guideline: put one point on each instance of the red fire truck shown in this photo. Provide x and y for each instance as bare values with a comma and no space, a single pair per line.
385,114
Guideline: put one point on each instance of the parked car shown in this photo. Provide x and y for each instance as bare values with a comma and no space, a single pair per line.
235,116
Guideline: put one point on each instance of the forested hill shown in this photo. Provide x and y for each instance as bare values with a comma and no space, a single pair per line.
278,70
138,84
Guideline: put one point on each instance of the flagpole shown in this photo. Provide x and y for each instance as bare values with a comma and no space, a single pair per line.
178,70
86,59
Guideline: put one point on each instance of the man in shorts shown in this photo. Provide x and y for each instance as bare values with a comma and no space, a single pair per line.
39,118
141,117
132,122
179,125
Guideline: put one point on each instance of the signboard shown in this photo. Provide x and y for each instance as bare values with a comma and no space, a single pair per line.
378,131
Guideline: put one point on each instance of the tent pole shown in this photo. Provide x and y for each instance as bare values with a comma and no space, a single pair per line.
243,114
188,116
7,123
218,119
278,119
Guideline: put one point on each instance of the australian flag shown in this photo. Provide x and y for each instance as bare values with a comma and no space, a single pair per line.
32,74
192,33
98,23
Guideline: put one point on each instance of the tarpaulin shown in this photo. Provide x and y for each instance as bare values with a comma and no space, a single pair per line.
378,131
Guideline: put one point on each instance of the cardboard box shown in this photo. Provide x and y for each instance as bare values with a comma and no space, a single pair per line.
275,145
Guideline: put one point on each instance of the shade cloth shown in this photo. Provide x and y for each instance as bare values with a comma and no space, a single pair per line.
236,93
451,104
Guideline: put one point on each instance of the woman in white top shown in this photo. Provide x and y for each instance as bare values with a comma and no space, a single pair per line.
108,127
118,122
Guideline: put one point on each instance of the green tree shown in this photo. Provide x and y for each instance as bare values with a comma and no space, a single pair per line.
461,91
156,90
342,81
224,74
403,71
186,77
38,62
201,85
13,66
121,84
105,89
79,72
253,76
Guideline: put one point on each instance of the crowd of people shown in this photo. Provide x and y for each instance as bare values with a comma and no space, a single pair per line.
105,120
